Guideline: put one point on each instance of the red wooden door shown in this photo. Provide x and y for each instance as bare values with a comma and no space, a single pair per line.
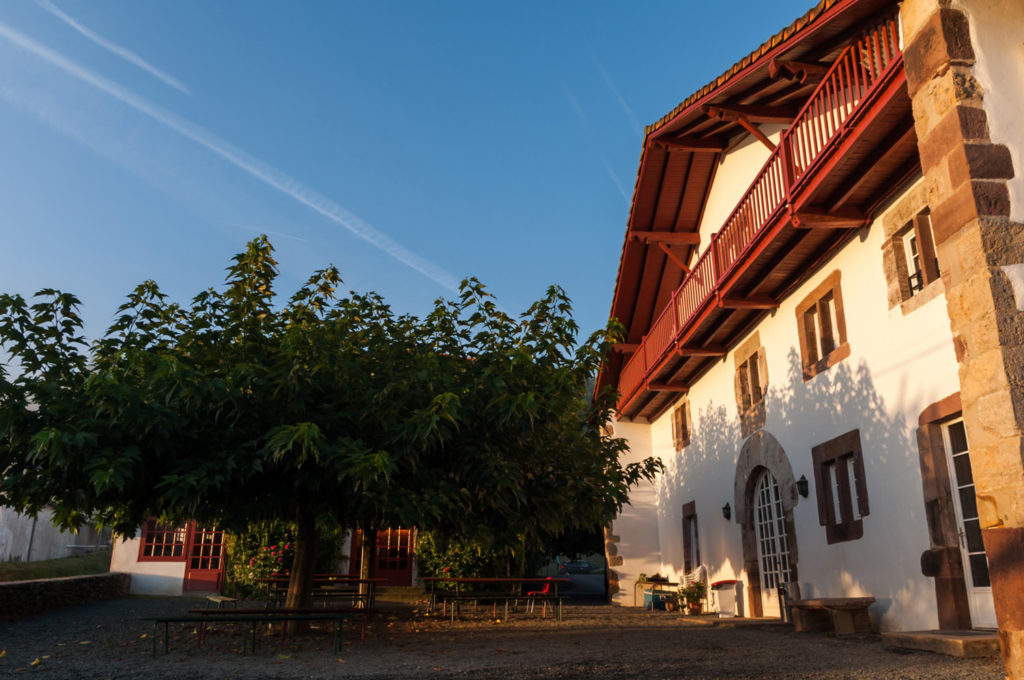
394,556
204,567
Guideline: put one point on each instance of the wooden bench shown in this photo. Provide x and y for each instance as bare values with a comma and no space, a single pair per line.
842,615
250,617
222,600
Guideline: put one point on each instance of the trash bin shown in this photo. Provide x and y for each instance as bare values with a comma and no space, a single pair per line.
725,593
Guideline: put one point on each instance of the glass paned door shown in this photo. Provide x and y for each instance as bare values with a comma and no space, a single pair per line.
772,542
961,478
204,569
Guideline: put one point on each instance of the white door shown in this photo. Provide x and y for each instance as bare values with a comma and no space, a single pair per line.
772,543
979,588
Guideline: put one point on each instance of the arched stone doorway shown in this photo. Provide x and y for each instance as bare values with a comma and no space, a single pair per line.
764,495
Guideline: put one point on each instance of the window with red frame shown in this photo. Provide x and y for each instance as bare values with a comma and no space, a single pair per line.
162,543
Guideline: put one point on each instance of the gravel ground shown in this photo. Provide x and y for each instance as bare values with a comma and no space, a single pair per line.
108,640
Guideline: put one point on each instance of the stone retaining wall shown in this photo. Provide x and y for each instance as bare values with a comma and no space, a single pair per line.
24,598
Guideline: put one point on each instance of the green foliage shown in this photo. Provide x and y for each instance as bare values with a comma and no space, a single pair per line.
694,592
327,412
254,552
451,558
264,549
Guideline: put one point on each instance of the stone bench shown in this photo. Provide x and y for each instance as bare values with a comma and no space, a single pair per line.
842,615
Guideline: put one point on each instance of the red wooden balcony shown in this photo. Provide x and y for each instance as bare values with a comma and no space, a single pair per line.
851,144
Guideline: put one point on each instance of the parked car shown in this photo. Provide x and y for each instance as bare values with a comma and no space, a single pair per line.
575,567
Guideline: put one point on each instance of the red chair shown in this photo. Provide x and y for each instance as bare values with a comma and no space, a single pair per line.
531,595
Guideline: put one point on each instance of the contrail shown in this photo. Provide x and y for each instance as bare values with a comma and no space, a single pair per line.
575,104
253,166
615,91
122,52
615,178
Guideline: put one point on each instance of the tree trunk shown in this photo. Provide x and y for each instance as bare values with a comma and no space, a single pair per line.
367,560
300,584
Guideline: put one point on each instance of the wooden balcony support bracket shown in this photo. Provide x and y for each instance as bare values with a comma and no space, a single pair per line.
709,351
626,347
667,249
682,238
748,302
692,144
668,387
799,71
847,218
756,132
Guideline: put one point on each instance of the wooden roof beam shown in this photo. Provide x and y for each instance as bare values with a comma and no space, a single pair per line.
668,387
709,351
693,144
846,218
681,238
748,302
800,71
753,114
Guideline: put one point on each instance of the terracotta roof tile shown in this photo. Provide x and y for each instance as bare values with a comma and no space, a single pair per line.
779,37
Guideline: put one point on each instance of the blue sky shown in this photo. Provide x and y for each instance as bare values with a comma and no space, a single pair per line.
410,144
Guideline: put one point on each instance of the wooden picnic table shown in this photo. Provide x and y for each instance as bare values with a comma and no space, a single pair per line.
327,586
515,591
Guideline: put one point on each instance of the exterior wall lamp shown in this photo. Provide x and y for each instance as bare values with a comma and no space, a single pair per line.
801,486
726,511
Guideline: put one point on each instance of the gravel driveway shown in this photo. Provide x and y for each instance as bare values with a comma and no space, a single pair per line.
108,640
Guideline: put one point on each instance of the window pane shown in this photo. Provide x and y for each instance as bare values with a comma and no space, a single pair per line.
979,571
851,475
957,437
962,464
811,334
755,380
968,503
972,531
829,329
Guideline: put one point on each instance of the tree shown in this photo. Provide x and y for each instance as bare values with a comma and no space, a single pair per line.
328,411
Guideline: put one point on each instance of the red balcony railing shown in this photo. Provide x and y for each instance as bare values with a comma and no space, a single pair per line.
851,78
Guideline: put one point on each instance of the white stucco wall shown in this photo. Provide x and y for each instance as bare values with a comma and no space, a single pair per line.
898,366
997,34
148,578
638,534
741,166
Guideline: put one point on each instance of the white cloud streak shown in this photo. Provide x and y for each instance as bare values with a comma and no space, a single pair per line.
240,159
618,97
581,114
122,52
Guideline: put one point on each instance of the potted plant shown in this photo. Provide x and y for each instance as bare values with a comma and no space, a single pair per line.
694,594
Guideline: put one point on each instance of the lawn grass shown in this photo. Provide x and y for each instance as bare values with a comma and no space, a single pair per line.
93,563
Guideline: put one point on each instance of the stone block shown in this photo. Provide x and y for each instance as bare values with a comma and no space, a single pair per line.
969,201
977,160
1003,241
961,123
941,95
943,38
995,412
